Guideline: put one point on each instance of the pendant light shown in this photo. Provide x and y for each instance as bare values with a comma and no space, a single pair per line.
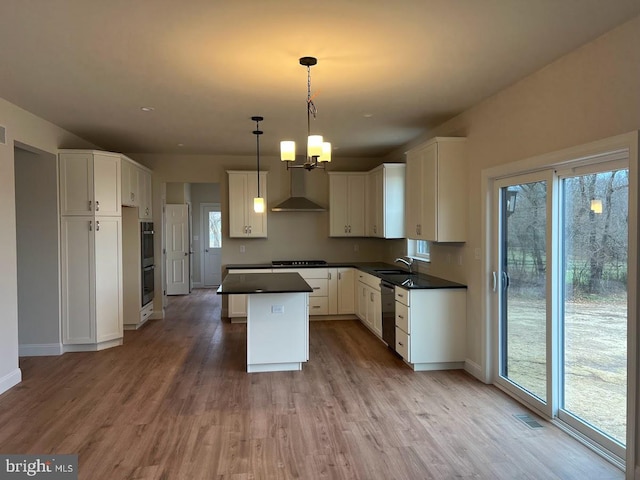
318,151
258,202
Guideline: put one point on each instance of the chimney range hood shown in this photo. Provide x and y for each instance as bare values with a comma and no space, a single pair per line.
297,202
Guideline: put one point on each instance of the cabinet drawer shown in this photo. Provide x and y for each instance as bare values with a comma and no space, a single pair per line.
402,296
402,343
320,286
318,306
402,317
146,312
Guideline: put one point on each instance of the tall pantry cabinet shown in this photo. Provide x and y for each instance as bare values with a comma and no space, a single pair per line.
91,251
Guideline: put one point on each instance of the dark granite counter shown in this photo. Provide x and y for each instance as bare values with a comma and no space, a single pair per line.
249,283
388,272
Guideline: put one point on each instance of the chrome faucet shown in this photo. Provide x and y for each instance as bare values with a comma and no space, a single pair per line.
408,263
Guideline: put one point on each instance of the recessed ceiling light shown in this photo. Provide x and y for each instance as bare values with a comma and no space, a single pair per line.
368,115
181,144
147,109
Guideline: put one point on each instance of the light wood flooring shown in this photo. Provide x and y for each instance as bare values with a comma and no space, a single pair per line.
175,402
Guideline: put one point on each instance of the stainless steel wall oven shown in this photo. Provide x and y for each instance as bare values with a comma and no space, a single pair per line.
146,261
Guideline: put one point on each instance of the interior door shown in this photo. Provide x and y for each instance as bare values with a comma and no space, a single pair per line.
177,246
212,243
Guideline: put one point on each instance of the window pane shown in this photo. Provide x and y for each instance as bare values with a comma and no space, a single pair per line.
595,300
215,230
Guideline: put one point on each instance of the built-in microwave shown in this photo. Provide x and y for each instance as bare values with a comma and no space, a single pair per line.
146,243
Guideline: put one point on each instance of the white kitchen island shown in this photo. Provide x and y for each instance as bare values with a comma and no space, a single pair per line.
277,319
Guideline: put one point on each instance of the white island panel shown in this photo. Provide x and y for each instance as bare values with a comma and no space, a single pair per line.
277,331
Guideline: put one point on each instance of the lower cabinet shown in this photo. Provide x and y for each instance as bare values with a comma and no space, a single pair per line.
91,282
237,306
369,302
346,291
431,327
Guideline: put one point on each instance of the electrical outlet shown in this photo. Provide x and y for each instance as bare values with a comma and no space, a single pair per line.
448,258
477,253
356,247
460,260
242,249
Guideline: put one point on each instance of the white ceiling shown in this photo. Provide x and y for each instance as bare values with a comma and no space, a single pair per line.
207,66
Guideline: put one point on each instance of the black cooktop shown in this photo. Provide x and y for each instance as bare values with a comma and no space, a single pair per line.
296,263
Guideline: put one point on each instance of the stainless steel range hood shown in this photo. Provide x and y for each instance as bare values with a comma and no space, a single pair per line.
297,202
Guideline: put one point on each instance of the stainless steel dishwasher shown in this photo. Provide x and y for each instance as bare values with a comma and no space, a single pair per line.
388,300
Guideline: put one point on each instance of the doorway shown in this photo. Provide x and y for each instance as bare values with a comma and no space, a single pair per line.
561,303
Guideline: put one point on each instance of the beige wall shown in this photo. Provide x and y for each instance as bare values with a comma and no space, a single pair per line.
21,126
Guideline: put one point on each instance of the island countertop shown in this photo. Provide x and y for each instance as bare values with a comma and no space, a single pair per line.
249,283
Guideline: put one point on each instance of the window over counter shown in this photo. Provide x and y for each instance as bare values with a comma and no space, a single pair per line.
419,249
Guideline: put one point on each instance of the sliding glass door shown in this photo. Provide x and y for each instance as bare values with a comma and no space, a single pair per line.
522,286
561,295
593,308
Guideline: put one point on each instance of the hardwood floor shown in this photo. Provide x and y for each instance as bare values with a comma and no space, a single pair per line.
175,402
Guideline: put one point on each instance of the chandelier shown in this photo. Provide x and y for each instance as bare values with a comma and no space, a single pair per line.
318,151
258,202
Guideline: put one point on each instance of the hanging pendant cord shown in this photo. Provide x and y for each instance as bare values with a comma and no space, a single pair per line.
257,132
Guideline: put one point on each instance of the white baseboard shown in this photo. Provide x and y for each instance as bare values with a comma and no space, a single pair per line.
474,369
157,315
92,347
40,349
10,380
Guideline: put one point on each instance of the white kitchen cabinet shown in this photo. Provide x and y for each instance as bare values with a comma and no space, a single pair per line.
89,183
145,192
129,183
91,282
237,304
319,280
431,327
385,201
243,188
347,204
436,182
346,291
369,302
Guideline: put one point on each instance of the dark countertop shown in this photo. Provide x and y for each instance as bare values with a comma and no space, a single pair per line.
400,277
248,283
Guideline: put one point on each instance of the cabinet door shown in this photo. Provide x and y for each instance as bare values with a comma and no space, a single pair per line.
346,291
145,194
429,220
355,205
237,205
126,174
106,184
362,301
78,274
374,204
413,195
76,184
338,202
108,278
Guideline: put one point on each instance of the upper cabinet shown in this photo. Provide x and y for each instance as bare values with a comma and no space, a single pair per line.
243,188
136,188
385,202
436,187
89,183
347,204
145,192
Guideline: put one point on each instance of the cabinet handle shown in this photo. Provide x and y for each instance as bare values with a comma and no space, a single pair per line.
400,316
133,196
97,205
90,205
401,295
315,306
349,228
345,229
316,288
90,225
401,344
339,276
147,211
97,226
329,275
371,295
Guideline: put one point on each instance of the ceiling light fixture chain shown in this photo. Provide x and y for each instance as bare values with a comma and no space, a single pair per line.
318,151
